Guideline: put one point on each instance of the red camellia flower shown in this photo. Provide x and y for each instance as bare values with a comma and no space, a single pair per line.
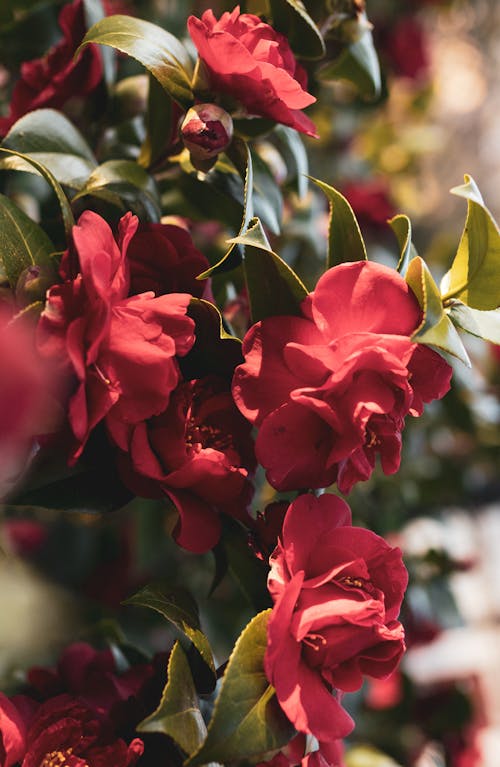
331,389
249,61
198,452
121,349
163,258
337,592
57,77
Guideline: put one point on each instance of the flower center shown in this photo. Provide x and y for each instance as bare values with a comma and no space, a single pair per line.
199,436
58,759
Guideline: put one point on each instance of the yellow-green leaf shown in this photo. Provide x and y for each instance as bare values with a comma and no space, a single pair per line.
476,322
436,328
401,226
474,277
345,241
22,242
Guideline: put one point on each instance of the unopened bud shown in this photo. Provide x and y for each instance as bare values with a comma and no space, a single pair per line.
206,130
33,283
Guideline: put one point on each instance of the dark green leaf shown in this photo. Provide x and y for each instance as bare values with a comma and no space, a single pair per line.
359,65
159,124
249,572
294,153
22,242
94,12
126,179
267,197
178,607
474,277
401,226
247,721
291,19
273,287
345,242
178,714
215,351
476,322
436,328
30,36
67,213
156,49
242,159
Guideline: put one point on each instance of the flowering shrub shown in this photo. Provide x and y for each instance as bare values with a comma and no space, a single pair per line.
175,402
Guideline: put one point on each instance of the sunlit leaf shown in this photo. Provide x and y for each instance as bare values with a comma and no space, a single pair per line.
436,328
345,241
483,324
247,720
474,277
156,49
178,714
178,607
401,226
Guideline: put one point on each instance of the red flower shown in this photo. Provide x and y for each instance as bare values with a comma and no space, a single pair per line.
65,731
337,592
331,389
326,755
163,259
57,77
12,733
252,63
198,452
121,350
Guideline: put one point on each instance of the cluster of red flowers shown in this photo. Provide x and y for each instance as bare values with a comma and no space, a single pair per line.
328,392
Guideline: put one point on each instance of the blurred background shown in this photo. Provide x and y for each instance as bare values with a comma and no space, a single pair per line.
62,577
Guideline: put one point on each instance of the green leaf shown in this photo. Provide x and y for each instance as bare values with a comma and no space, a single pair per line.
214,351
401,226
67,213
294,153
249,572
31,35
273,287
48,137
358,64
159,124
178,714
476,322
474,277
247,719
291,19
180,609
242,159
95,12
126,179
22,242
156,49
436,328
345,242
267,197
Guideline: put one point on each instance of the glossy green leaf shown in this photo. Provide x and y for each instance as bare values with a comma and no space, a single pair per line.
267,197
436,328
180,609
51,139
483,324
401,226
290,17
273,287
94,12
156,49
22,242
247,720
292,149
178,714
126,179
242,159
359,65
345,241
67,213
215,352
249,572
474,277
159,123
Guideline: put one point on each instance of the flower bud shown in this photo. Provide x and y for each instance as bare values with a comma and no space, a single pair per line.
33,283
206,130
